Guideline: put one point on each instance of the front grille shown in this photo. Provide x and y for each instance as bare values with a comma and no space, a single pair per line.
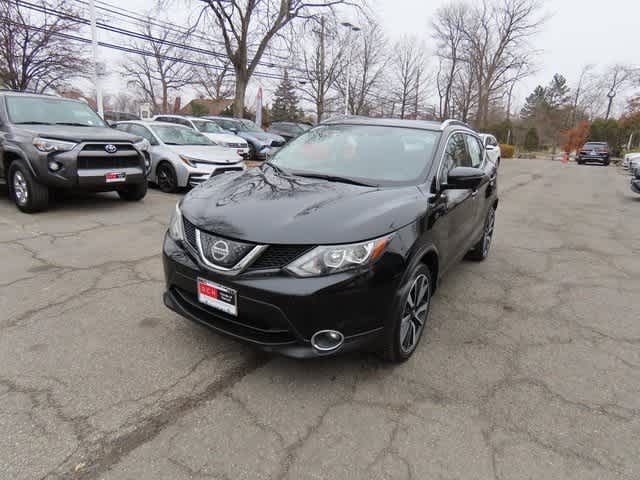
274,257
266,328
279,256
222,252
94,156
190,233
277,143
237,145
220,171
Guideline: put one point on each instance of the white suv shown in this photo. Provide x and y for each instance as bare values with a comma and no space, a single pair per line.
211,129
492,147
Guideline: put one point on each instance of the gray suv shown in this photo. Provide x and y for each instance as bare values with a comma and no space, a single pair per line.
49,143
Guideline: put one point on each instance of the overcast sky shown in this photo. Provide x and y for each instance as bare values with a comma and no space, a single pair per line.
577,33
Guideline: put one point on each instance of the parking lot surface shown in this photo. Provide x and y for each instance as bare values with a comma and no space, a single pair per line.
530,367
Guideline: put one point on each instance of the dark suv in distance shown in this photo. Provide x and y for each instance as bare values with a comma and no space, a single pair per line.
338,242
594,152
51,143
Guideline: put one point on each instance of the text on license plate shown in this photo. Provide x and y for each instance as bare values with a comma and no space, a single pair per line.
115,177
217,296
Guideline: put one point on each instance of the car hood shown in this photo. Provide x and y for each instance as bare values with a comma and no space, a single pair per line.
262,206
80,134
225,137
264,137
206,153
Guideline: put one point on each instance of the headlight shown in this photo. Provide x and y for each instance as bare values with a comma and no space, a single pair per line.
325,260
187,160
176,229
49,145
143,145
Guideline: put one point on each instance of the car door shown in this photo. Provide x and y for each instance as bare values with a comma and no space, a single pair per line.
479,160
459,204
492,148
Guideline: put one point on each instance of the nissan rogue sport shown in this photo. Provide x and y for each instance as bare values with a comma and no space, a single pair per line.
336,243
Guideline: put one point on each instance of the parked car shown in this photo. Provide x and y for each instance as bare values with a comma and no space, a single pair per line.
630,158
492,148
180,156
50,143
112,117
338,242
289,130
594,152
261,143
210,129
635,181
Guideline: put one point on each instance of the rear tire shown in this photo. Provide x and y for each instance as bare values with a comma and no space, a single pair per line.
133,193
28,195
410,316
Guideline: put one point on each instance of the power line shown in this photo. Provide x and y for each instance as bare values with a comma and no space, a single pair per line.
136,50
129,33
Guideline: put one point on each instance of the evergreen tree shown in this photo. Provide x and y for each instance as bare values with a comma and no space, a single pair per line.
557,93
531,140
535,103
285,103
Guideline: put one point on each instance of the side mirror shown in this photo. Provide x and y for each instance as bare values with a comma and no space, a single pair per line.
465,178
489,147
234,131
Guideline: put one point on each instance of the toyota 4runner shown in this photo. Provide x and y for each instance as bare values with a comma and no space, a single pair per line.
49,143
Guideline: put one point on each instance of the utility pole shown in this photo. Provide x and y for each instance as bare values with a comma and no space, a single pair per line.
352,28
417,94
96,68
322,79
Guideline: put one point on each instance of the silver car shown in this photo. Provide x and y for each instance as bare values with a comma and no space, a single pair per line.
180,156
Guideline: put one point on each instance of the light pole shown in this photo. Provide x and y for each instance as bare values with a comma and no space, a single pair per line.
96,66
352,28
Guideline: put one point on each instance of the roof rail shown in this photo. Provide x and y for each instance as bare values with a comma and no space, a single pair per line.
450,122
28,92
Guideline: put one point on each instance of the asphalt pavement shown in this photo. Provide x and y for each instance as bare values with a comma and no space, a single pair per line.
530,367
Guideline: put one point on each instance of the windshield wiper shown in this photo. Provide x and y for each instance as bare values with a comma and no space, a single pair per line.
336,178
275,167
73,124
33,123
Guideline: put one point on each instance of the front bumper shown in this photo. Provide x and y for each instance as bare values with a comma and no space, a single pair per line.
635,185
204,172
280,313
593,158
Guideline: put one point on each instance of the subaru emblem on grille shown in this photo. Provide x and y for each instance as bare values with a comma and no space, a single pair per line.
109,148
220,250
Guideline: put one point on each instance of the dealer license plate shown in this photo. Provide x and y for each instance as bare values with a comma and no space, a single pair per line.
113,177
217,296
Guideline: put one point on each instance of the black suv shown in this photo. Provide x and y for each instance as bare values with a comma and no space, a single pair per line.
594,152
49,143
336,243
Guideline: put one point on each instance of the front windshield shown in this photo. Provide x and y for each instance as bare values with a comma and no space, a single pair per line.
376,154
176,135
207,127
51,111
249,126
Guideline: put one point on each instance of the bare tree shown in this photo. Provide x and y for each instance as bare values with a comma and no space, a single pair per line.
615,79
323,63
34,55
251,25
161,71
215,81
448,33
497,36
408,66
368,58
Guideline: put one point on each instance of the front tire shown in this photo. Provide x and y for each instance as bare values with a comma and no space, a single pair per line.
410,316
480,250
28,195
166,178
133,193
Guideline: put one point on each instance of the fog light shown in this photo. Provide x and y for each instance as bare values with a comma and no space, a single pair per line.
54,166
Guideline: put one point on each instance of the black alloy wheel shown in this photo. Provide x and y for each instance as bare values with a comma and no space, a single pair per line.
166,178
